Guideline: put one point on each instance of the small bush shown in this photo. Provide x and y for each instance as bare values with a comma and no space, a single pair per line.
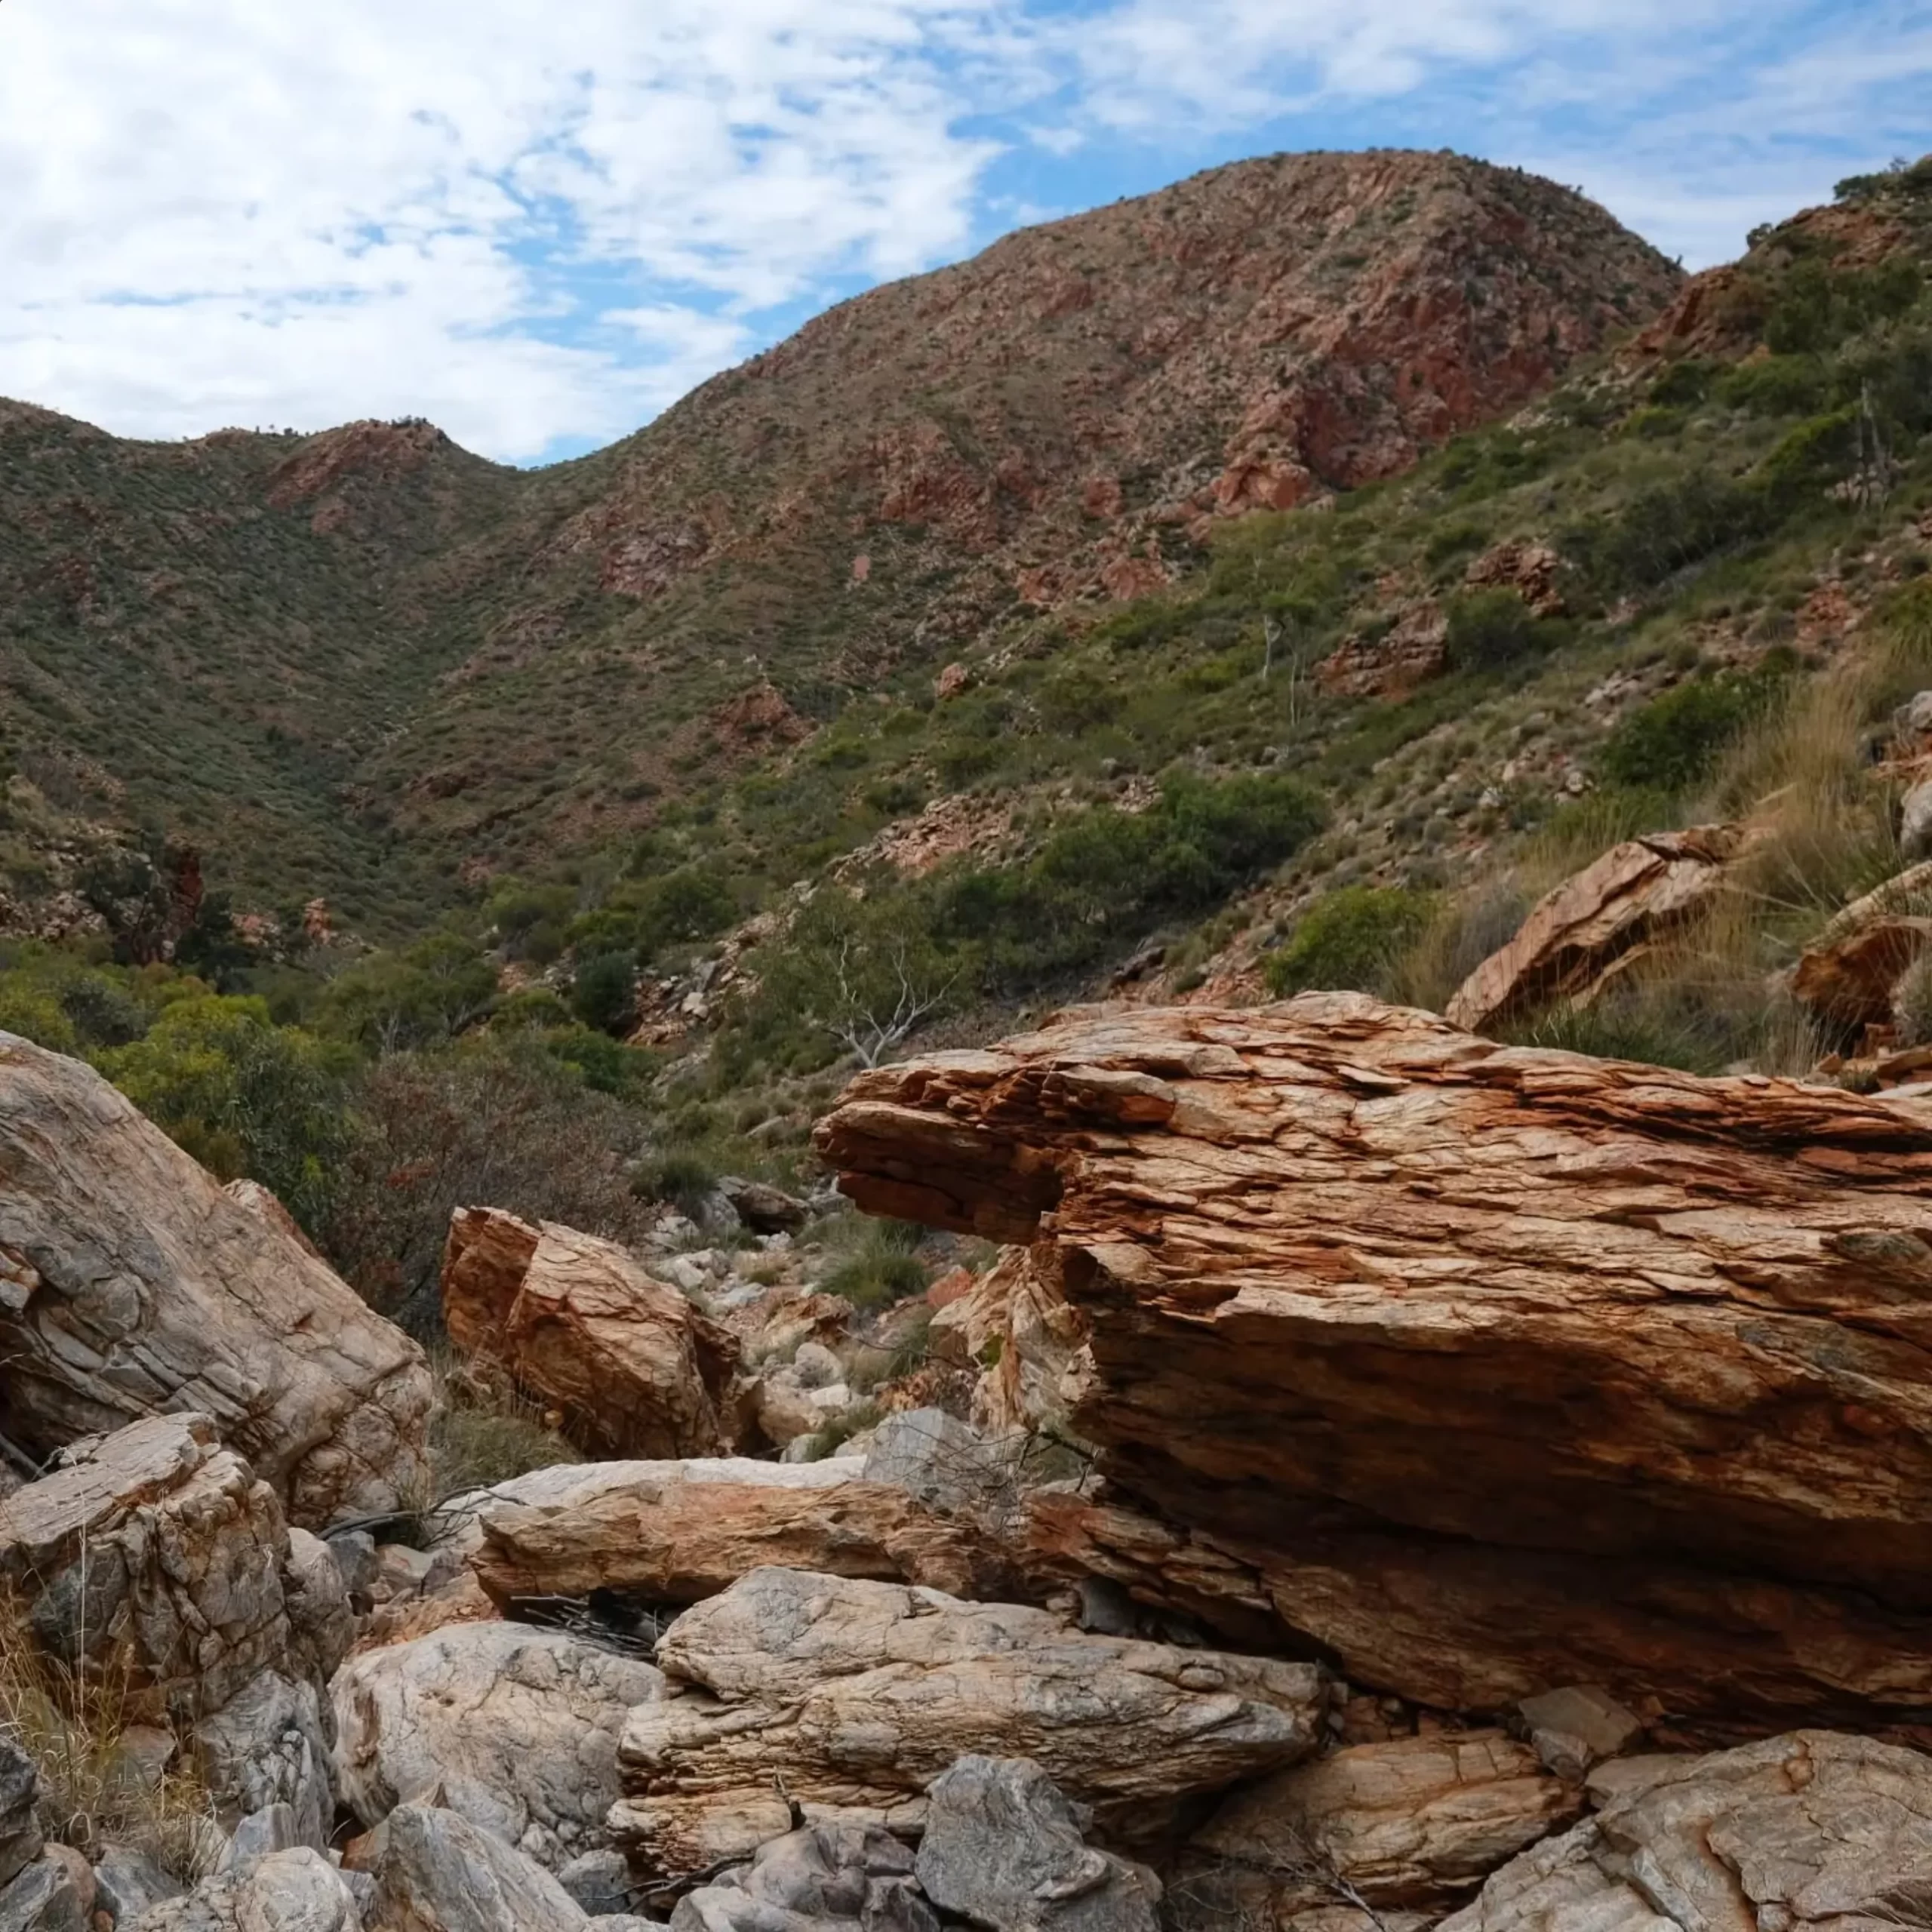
1674,741
1488,628
680,1176
483,1430
603,994
1348,941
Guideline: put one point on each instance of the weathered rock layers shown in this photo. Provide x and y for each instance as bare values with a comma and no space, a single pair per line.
1485,1369
130,1283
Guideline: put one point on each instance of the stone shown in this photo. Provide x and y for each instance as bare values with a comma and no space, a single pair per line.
128,1882
1575,1371
673,1533
943,1462
1533,570
634,1367
1599,923
1915,821
1416,1823
1813,1829
600,1881
826,1878
402,1571
512,1727
295,1890
1017,1326
48,1896
156,1553
319,1611
20,1839
858,1694
816,1367
268,1746
265,1202
356,1560
1003,1847
261,1835
1849,973
1576,1727
1414,650
435,1872
152,1291
763,1209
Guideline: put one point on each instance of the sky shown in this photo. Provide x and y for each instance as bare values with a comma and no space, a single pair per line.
538,223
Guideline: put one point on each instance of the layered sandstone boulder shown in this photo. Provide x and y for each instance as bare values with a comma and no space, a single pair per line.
856,1696
635,1369
1601,922
659,1534
130,1283
1489,1370
516,1729
1810,1829
1849,973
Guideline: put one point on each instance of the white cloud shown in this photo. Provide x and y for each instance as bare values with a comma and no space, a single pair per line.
537,222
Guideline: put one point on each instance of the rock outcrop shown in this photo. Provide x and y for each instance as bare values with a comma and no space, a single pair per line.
1810,1829
1847,974
634,1367
435,1872
1418,1823
1600,923
857,1695
130,1284
157,1555
1002,1847
834,1878
516,1729
294,1890
1488,1371
659,1535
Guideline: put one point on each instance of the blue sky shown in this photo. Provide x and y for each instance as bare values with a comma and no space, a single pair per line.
539,221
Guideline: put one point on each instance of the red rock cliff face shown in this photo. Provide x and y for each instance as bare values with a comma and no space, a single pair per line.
1244,340
1485,1369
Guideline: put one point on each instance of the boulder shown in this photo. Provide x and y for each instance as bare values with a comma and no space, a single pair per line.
833,1877
268,1746
1812,1828
1600,922
763,1209
435,1872
1003,1847
666,1536
55,1894
1017,1325
1578,1726
1848,975
633,1366
20,1839
319,1610
856,1695
265,1202
1415,1822
130,1284
294,1890
514,1728
1533,570
128,1883
1414,650
1572,1371
946,1465
155,1553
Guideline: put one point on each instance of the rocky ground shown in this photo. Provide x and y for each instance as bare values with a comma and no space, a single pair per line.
1381,1478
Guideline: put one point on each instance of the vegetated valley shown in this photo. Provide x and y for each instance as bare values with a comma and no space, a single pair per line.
1336,591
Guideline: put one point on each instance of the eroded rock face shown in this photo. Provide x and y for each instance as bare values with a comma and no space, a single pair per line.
130,1284
1812,1828
158,1554
860,1694
1418,1821
1601,922
435,1872
1848,974
843,1878
634,1368
296,1891
1573,1371
1003,1846
514,1728
660,1536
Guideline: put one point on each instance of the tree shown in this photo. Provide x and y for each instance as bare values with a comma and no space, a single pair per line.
858,971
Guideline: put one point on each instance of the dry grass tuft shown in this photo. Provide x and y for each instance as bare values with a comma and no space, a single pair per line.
94,1789
485,1430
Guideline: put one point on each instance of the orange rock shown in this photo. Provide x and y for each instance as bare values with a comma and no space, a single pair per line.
1599,922
1849,973
950,1287
1533,569
1410,654
1488,1369
633,1367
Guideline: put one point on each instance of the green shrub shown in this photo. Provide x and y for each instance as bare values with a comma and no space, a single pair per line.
1775,386
680,1176
1488,628
1348,940
1672,742
604,993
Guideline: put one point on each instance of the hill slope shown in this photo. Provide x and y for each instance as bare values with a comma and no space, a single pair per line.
366,664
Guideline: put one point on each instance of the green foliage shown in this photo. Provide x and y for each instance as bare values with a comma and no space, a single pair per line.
36,1014
604,993
1911,180
1775,386
1489,628
1349,940
1817,306
883,1266
1672,742
400,1002
243,1095
682,1177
